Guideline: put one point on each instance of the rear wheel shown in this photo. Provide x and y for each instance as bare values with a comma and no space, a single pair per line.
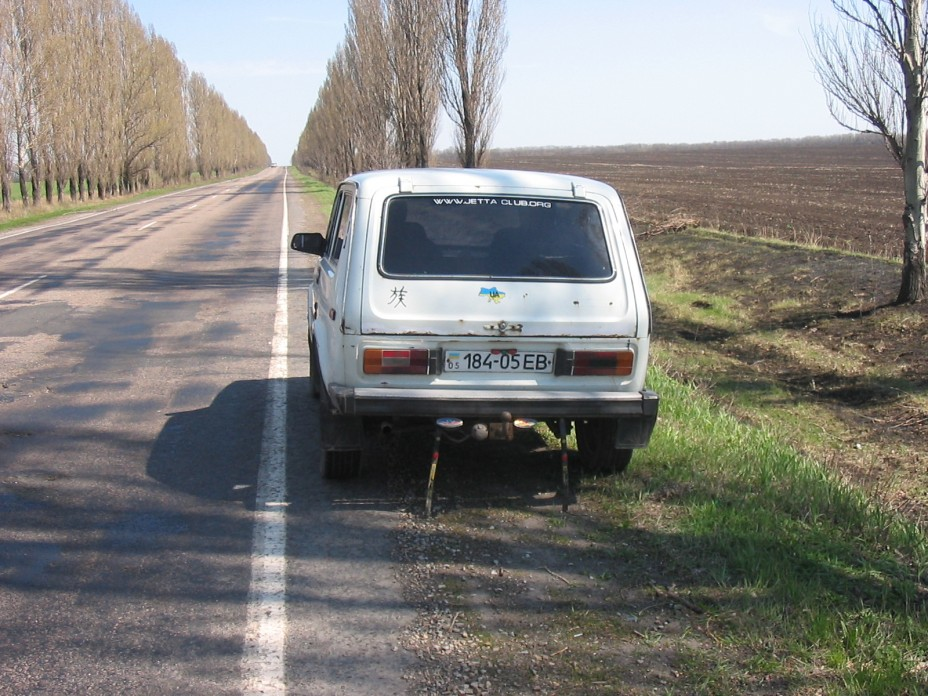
596,444
314,373
336,463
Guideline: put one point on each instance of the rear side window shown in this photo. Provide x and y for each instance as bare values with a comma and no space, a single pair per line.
339,222
494,237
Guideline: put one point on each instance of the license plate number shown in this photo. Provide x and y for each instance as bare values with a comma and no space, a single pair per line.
503,360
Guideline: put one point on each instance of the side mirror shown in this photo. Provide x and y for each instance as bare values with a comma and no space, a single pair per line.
308,243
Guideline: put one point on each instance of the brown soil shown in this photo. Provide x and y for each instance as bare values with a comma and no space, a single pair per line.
822,331
840,192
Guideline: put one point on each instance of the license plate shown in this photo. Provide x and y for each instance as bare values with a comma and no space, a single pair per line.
501,360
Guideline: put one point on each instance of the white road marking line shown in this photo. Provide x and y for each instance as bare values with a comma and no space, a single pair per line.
147,225
191,207
21,287
263,661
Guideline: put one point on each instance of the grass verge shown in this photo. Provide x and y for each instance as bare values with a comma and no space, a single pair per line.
804,581
322,193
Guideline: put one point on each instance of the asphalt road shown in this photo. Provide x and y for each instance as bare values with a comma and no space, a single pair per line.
138,397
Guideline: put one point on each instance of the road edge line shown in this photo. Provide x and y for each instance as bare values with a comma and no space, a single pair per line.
264,656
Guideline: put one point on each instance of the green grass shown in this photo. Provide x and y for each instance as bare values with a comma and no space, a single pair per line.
321,193
803,574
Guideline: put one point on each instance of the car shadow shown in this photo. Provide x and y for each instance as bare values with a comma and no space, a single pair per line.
214,452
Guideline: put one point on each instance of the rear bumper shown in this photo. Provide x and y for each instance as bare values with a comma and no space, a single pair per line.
539,404
635,412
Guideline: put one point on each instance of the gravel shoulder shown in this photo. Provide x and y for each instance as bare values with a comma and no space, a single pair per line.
514,596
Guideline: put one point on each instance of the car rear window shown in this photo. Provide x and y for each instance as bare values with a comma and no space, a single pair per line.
494,237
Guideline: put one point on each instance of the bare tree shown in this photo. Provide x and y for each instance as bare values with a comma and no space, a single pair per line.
221,141
415,64
6,106
873,70
172,162
474,39
327,143
25,56
91,101
368,76
378,106
96,113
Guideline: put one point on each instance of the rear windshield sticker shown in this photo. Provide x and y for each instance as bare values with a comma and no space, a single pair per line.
492,294
520,202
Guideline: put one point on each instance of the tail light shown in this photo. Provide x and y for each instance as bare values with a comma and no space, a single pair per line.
595,363
412,361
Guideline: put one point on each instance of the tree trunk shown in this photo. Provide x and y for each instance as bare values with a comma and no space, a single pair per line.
34,181
914,275
23,189
5,195
913,164
423,149
468,157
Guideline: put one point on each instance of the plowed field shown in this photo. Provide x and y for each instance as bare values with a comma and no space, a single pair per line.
840,192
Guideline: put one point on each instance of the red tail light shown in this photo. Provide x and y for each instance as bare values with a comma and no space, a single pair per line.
595,363
414,361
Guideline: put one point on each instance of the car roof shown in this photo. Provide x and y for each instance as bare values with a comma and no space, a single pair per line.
497,181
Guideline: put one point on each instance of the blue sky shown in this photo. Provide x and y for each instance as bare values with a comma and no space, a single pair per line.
584,72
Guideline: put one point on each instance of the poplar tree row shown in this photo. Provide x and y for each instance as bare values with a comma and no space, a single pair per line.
94,104
400,62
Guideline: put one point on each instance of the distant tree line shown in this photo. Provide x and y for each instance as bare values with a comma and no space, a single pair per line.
400,61
94,104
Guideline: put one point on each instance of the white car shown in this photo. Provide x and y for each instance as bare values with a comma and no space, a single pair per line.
482,297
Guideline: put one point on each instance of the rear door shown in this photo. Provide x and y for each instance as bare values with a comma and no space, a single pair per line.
331,283
496,265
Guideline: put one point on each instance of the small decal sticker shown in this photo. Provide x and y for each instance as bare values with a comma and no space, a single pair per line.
492,294
398,297
521,202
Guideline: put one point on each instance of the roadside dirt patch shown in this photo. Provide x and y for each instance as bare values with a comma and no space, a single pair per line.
515,597
818,327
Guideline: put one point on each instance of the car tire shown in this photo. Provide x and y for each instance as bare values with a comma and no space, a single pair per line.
595,443
340,463
314,373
